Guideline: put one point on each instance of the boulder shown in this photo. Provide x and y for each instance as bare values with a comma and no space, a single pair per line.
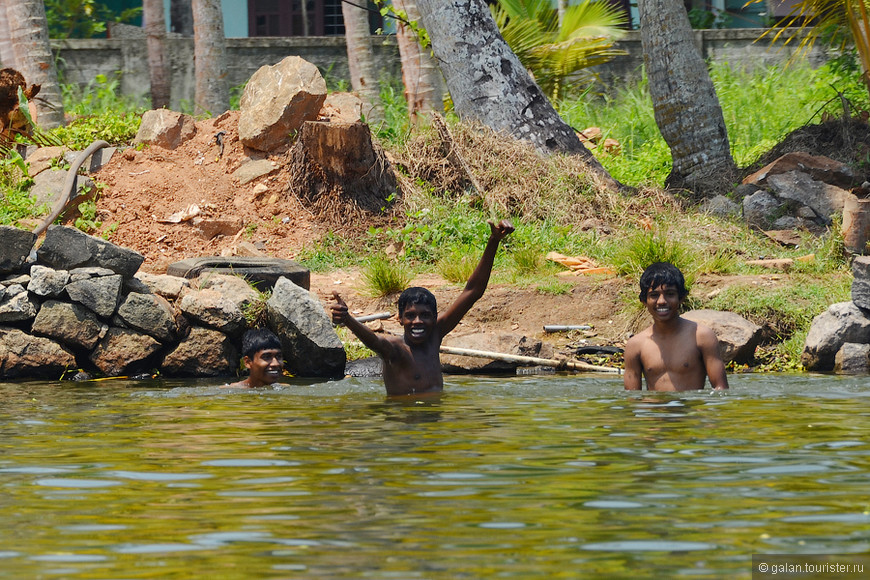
760,208
65,248
737,336
840,323
210,308
204,353
232,288
17,305
69,324
101,294
853,359
124,352
46,281
164,128
252,170
824,199
15,248
149,313
861,282
817,167
514,344
26,356
311,346
170,287
48,187
277,100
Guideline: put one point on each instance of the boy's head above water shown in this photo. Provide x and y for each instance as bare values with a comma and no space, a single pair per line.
258,339
662,274
417,295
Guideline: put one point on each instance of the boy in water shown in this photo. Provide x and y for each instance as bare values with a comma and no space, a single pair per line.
412,362
263,358
674,354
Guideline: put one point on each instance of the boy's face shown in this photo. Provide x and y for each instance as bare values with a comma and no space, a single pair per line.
663,302
418,321
265,367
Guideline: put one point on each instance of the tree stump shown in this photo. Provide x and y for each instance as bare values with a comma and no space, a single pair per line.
340,172
856,224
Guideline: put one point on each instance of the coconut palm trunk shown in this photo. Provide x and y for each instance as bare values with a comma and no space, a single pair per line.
420,73
158,64
7,53
28,31
212,93
361,58
685,104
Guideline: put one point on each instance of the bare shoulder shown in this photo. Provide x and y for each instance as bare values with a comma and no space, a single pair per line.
704,333
639,338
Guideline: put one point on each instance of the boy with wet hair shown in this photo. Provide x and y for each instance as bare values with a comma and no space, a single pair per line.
412,362
673,354
261,352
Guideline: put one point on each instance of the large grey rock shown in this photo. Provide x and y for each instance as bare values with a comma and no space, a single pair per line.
164,128
230,287
46,281
14,248
824,199
311,346
149,313
760,208
737,336
124,352
69,324
515,344
48,187
204,353
100,294
77,274
23,355
95,161
840,323
853,359
861,282
170,287
17,305
210,308
277,100
65,248
817,167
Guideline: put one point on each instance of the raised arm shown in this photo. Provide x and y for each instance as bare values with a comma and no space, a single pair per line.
476,285
709,346
379,344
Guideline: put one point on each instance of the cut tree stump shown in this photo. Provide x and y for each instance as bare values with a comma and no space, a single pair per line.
340,172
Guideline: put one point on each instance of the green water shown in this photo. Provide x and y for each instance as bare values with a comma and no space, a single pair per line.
518,477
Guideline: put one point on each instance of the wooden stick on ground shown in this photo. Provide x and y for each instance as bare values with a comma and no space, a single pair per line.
548,362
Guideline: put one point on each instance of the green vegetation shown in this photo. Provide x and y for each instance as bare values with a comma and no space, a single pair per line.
383,277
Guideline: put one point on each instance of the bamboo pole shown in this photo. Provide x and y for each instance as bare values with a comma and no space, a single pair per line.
378,316
548,362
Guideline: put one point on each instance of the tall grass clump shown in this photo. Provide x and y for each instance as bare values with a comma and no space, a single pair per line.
643,248
457,264
383,277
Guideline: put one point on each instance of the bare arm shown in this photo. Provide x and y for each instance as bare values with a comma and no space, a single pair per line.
632,375
380,344
709,346
477,282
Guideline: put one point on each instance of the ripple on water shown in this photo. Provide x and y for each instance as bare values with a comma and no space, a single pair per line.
648,546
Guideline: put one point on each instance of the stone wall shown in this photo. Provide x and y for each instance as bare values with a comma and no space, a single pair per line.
81,60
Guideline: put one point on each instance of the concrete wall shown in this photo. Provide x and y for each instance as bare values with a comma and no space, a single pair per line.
81,60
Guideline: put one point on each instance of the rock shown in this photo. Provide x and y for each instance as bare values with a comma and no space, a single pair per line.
783,264
48,187
23,355
43,158
816,167
98,158
737,336
277,100
372,366
77,274
100,294
170,287
210,308
840,323
47,281
311,347
211,228
263,272
861,282
853,359
720,206
165,128
515,344
253,170
204,353
149,313
342,108
232,288
17,305
69,324
760,208
23,280
745,189
824,199
15,248
65,248
124,352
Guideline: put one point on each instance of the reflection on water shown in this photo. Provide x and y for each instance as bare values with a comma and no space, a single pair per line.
520,477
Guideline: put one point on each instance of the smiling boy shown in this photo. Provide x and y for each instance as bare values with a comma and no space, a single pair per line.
673,354
412,362
263,358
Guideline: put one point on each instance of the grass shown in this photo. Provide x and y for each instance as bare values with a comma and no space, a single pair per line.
382,277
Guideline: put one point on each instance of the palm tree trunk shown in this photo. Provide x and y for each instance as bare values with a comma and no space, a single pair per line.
155,31
212,93
420,73
361,58
685,104
7,53
28,30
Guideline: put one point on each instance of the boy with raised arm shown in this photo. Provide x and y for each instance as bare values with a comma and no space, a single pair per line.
412,362
673,354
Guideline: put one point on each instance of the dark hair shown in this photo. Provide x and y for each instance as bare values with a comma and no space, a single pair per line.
417,295
258,339
662,274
